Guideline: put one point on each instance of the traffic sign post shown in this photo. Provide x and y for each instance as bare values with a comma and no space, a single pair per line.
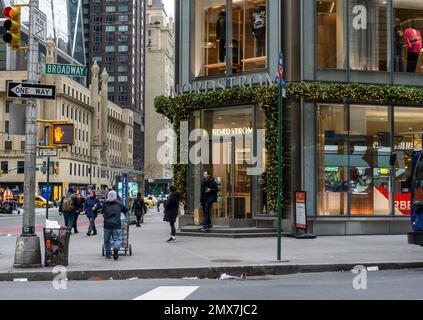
31,91
280,79
66,70
28,248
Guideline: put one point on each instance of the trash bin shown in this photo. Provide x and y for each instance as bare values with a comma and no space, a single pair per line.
56,243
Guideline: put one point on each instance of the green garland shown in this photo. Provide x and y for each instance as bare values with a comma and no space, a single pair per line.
179,108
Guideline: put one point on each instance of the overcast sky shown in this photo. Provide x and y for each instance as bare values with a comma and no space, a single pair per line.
169,4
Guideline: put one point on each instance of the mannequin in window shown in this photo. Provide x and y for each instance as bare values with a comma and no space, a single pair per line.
221,35
414,43
259,30
399,37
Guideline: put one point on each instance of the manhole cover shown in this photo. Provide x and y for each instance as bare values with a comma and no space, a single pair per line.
226,261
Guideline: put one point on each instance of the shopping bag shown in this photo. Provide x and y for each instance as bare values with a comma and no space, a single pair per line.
181,209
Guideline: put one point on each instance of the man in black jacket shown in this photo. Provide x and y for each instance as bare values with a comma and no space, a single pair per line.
209,192
112,210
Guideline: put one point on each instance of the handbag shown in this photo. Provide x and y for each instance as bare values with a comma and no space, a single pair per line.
181,209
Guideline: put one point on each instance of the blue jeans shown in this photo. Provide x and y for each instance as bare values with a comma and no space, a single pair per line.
115,234
206,213
69,219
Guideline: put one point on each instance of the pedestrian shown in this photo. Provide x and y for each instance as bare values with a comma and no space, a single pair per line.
112,210
138,208
68,206
209,190
81,201
171,208
159,202
92,207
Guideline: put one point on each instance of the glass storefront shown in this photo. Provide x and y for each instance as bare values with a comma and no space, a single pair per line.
245,35
235,157
369,42
408,24
354,147
331,42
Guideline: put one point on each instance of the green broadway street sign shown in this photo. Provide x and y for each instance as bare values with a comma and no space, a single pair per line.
66,70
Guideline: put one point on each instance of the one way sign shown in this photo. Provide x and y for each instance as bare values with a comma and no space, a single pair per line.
31,91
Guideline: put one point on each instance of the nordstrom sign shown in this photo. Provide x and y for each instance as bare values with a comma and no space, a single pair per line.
223,83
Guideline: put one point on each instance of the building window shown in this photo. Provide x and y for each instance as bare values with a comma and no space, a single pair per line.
8,145
408,26
248,38
70,169
330,35
21,167
4,167
22,146
354,175
369,37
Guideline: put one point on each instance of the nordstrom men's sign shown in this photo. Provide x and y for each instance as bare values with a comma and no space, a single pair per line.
224,83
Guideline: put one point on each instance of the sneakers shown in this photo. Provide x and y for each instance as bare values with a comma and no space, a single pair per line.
115,254
172,239
94,233
89,234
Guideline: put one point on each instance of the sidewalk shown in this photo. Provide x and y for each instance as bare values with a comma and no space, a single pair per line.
209,257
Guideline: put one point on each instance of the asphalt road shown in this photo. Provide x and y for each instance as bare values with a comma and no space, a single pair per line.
396,285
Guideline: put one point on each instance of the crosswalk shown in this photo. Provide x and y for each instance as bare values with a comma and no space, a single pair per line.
168,293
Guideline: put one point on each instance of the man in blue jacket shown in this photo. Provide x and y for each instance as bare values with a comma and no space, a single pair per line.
112,210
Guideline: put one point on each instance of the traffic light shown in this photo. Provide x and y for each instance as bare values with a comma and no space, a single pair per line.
63,134
13,27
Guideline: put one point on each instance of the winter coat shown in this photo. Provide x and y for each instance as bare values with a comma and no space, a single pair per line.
111,214
171,207
211,196
138,207
88,207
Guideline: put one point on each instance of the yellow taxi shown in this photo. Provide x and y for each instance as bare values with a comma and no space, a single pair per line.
40,202
149,202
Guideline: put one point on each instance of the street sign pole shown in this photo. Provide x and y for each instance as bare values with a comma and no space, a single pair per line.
48,186
280,152
28,252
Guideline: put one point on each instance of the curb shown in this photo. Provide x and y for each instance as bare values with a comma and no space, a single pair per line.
203,272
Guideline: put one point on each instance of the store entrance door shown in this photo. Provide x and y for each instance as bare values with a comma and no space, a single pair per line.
230,151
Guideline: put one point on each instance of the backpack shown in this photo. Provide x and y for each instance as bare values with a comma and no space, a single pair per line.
67,205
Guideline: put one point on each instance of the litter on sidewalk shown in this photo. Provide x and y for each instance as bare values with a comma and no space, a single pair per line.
228,277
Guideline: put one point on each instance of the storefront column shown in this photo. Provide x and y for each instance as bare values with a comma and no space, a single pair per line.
309,156
292,161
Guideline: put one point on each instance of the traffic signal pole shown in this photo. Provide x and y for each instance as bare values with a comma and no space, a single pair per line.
28,253
48,187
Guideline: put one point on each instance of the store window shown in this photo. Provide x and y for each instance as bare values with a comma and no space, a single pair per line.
209,37
247,33
332,160
408,146
354,175
369,37
408,25
370,151
330,35
249,36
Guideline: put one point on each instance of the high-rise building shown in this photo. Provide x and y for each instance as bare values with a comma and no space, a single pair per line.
114,37
64,25
160,66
